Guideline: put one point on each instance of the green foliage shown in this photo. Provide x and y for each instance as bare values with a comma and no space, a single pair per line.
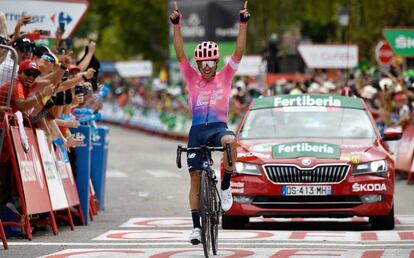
128,29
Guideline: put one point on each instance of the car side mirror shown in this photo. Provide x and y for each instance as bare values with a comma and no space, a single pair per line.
392,134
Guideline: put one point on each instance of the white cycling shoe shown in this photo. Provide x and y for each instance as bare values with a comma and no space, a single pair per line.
195,236
226,199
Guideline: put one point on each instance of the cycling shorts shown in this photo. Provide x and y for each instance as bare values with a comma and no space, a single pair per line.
204,134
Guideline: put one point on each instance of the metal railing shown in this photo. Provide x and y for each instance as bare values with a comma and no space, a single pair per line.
8,69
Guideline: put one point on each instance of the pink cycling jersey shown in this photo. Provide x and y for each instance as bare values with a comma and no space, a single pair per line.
209,99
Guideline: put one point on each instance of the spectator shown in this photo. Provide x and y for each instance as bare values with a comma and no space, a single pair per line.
24,48
24,97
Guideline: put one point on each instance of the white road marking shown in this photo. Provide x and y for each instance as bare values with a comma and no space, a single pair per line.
162,173
403,236
186,243
154,222
143,194
231,252
113,173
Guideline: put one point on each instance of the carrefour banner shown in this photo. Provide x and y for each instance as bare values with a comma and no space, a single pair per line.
46,15
215,20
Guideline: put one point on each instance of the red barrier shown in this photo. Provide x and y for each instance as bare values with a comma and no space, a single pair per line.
405,152
29,176
3,236
69,184
93,201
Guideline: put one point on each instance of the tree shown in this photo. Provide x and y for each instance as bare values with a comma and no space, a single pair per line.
129,29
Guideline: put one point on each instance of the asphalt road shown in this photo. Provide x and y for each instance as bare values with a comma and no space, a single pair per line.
144,184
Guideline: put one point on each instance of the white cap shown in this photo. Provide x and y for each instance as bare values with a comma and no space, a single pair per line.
385,83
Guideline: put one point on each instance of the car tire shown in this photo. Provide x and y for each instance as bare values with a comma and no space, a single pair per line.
383,222
233,222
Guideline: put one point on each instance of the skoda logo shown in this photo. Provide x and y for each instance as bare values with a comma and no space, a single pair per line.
306,162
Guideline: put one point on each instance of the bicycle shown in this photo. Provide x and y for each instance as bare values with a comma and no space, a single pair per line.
209,198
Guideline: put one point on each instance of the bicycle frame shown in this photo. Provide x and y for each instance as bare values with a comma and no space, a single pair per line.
209,202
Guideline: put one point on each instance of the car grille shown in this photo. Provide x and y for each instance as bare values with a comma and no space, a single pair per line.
320,174
306,202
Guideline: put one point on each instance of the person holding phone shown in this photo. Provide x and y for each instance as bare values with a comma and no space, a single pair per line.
209,95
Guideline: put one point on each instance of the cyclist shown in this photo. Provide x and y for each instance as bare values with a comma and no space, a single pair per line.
209,94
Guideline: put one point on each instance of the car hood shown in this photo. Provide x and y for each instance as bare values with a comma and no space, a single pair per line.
322,149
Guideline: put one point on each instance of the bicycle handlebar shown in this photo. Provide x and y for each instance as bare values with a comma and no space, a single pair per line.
226,149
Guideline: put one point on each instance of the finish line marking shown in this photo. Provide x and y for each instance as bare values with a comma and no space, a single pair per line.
156,244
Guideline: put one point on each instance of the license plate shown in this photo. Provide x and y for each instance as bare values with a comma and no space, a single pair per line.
289,190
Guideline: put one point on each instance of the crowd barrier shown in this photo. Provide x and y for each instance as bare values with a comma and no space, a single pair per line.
149,120
45,184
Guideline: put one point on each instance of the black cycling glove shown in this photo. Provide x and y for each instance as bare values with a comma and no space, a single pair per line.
244,17
176,21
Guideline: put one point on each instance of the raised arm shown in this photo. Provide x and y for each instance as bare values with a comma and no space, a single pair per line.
242,36
176,19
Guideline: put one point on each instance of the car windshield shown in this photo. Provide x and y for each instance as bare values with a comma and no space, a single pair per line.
307,123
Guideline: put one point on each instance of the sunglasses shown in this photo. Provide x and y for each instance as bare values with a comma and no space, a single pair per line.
26,49
48,58
209,63
32,73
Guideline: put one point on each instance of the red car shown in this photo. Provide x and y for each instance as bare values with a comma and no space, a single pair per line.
312,156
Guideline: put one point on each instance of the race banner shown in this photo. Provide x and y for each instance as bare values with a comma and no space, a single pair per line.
45,15
329,56
54,182
401,40
68,180
209,19
306,149
32,177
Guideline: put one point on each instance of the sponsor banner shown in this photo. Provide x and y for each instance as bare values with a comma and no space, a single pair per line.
307,101
46,15
401,40
209,19
68,180
31,173
134,68
249,65
54,182
329,56
306,149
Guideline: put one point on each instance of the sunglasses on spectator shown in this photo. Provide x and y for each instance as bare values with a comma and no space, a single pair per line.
32,73
26,49
209,63
48,58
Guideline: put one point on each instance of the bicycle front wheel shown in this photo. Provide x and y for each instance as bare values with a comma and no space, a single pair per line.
205,208
215,218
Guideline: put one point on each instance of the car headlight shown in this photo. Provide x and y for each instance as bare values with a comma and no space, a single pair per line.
248,169
378,167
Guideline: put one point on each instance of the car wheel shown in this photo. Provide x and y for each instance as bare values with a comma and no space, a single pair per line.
383,222
233,222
